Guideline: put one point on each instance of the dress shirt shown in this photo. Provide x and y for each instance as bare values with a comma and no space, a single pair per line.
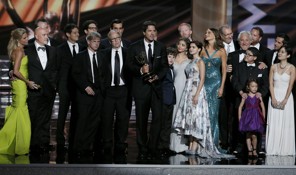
230,46
251,64
71,47
241,57
274,56
256,45
42,55
113,50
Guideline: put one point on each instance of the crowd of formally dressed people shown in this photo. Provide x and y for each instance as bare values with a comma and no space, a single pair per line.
212,99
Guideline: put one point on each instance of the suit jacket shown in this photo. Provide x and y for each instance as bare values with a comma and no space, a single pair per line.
65,60
268,58
106,44
160,66
243,74
105,56
168,89
82,76
263,50
46,78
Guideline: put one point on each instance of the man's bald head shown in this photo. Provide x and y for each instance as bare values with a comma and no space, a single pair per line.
41,35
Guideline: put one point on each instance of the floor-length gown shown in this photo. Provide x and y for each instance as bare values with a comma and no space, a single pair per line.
16,132
177,142
280,135
212,85
193,120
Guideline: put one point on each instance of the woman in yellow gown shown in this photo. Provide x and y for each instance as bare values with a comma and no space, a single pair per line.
16,133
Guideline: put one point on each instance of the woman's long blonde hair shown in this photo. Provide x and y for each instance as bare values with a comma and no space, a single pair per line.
15,36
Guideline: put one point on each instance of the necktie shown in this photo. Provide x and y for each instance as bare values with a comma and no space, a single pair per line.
74,51
95,68
116,69
253,64
150,58
228,49
41,48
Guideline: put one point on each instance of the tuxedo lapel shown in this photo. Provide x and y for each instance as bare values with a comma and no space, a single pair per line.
34,56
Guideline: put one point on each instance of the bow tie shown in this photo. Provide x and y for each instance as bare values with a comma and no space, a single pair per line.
253,64
242,51
41,48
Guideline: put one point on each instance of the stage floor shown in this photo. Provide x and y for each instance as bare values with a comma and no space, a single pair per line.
131,157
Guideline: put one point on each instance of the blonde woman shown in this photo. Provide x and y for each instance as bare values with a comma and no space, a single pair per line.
16,132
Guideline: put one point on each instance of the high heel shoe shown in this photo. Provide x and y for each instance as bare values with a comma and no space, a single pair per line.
255,156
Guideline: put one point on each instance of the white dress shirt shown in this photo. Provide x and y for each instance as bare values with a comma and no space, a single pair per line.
42,55
91,62
113,50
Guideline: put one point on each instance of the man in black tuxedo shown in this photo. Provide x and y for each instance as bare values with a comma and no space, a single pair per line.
118,26
86,73
42,68
226,108
270,57
66,54
246,70
147,55
43,23
116,85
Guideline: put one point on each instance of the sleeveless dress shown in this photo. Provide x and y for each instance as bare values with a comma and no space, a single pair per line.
194,120
16,132
177,142
212,84
280,130
252,118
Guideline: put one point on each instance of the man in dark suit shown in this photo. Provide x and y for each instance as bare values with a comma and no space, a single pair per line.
226,108
86,73
118,26
66,53
88,26
42,68
233,60
43,23
116,91
246,70
257,35
147,93
270,57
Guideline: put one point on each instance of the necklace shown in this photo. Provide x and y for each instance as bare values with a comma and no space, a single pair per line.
283,67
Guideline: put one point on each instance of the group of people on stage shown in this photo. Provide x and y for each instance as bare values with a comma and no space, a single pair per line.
204,98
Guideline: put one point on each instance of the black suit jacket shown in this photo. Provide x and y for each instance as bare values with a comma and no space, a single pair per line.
168,89
46,78
82,76
263,50
242,74
268,58
65,60
105,56
160,66
106,44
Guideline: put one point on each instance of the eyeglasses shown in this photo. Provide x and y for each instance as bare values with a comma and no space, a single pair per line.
228,34
93,28
249,55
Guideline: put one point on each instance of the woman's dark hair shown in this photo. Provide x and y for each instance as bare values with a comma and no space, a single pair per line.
198,45
288,49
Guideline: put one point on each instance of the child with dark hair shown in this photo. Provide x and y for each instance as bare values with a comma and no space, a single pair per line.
251,118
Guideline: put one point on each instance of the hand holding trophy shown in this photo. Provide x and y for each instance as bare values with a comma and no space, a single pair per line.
142,61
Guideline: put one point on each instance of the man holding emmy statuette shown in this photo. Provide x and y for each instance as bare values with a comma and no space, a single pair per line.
147,60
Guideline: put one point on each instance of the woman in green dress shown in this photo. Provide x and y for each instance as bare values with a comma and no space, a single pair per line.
16,133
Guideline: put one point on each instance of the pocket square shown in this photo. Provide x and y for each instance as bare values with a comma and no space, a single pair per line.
158,57
259,75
